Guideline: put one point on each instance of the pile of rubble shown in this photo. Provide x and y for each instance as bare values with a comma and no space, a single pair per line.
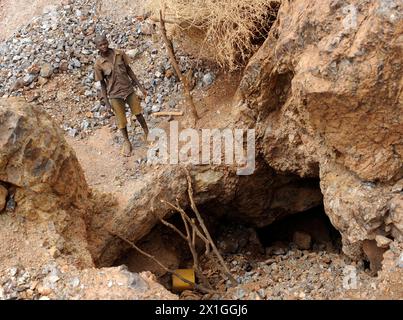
58,282
308,274
296,271
60,42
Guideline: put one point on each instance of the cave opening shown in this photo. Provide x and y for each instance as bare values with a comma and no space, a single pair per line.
307,230
270,217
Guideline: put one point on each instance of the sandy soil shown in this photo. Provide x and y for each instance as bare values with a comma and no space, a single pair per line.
106,170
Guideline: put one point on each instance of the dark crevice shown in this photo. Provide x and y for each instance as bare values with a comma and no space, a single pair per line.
10,203
312,223
264,28
233,235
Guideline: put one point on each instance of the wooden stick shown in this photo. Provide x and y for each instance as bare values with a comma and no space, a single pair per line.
199,233
167,113
205,230
199,287
190,238
194,226
170,225
178,72
192,247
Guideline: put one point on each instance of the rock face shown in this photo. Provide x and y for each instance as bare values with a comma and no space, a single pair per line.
52,202
145,208
325,93
34,155
47,186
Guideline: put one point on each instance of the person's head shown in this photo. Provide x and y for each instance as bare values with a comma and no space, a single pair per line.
102,43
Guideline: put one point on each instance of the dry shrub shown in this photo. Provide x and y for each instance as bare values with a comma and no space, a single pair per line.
230,28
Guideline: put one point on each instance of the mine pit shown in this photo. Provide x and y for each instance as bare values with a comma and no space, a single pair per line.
247,249
316,84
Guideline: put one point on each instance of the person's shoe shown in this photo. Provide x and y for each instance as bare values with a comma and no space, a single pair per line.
127,148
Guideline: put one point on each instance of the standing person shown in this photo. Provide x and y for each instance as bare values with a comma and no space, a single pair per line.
117,80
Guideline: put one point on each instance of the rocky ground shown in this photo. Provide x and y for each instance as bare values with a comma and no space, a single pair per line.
281,271
296,274
50,62
65,282
58,45
301,269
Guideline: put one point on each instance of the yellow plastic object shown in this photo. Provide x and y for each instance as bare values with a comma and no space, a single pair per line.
178,284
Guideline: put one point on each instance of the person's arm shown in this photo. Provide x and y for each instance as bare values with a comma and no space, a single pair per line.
100,77
104,94
132,76
135,80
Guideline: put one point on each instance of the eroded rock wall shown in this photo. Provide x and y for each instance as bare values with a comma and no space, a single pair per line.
47,195
325,93
44,252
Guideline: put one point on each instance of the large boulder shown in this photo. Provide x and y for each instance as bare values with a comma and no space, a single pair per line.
44,252
325,94
47,187
34,155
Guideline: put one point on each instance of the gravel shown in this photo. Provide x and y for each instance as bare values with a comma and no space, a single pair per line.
59,44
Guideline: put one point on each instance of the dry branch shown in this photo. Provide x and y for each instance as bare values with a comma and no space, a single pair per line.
178,72
167,113
180,23
170,225
199,233
198,287
206,232
227,31
190,238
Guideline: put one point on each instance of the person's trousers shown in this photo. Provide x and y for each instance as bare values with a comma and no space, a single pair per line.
118,106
